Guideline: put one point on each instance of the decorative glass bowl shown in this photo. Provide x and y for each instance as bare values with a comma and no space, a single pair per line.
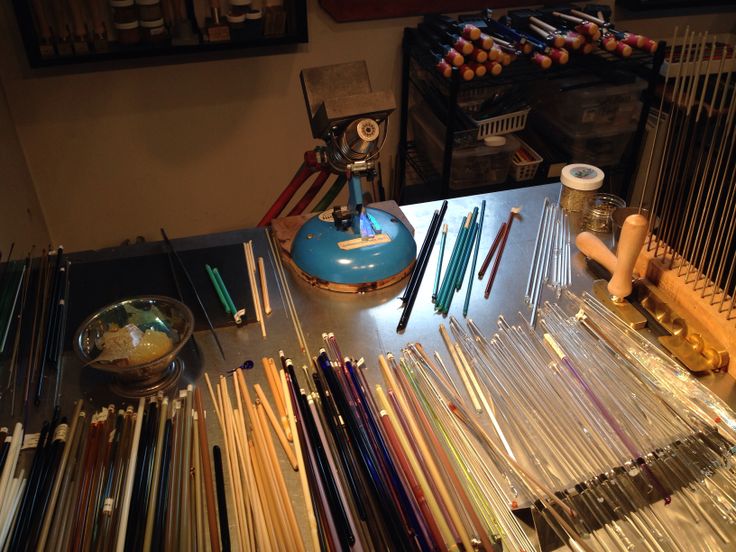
137,340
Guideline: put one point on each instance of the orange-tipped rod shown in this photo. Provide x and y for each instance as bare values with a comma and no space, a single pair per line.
581,25
622,50
494,53
560,56
573,40
479,55
454,58
470,32
550,38
465,47
466,72
649,45
633,40
494,68
443,68
478,68
640,41
540,59
608,43
484,41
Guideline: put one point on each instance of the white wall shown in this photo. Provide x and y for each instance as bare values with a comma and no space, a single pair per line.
197,147
21,220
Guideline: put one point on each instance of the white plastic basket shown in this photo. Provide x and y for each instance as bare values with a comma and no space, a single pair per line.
503,124
525,170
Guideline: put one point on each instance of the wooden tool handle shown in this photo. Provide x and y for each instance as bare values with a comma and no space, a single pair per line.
592,247
633,233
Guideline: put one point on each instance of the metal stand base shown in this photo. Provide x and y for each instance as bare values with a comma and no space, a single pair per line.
134,389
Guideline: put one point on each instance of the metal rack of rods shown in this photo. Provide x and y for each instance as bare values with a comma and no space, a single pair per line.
692,226
551,259
135,478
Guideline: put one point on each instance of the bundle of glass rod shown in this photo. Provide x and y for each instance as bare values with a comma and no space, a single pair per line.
420,266
694,199
597,430
381,473
263,512
34,297
551,259
132,479
467,243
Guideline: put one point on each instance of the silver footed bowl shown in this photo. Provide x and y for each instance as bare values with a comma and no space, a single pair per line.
137,340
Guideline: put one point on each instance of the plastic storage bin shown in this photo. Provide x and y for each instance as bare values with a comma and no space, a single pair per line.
602,146
472,166
522,170
580,102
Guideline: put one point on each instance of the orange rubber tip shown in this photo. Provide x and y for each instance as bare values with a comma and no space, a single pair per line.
467,73
543,61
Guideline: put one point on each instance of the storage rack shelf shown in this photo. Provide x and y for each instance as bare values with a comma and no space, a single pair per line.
251,43
445,97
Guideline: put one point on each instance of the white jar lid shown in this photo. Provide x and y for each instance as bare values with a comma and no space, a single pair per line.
241,2
582,177
494,141
147,2
254,14
121,3
235,18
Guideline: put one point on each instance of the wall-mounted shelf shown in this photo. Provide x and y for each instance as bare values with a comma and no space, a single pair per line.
69,37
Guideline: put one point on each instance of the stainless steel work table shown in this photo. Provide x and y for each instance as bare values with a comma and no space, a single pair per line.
364,324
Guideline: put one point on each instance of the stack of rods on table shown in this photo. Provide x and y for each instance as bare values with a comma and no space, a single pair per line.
467,245
264,517
375,470
127,479
609,424
34,298
552,255
420,266
692,226
250,262
597,454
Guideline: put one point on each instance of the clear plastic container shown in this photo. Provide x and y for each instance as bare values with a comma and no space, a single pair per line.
602,146
598,212
588,104
473,166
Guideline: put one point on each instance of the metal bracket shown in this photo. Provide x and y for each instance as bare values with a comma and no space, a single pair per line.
693,346
623,309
